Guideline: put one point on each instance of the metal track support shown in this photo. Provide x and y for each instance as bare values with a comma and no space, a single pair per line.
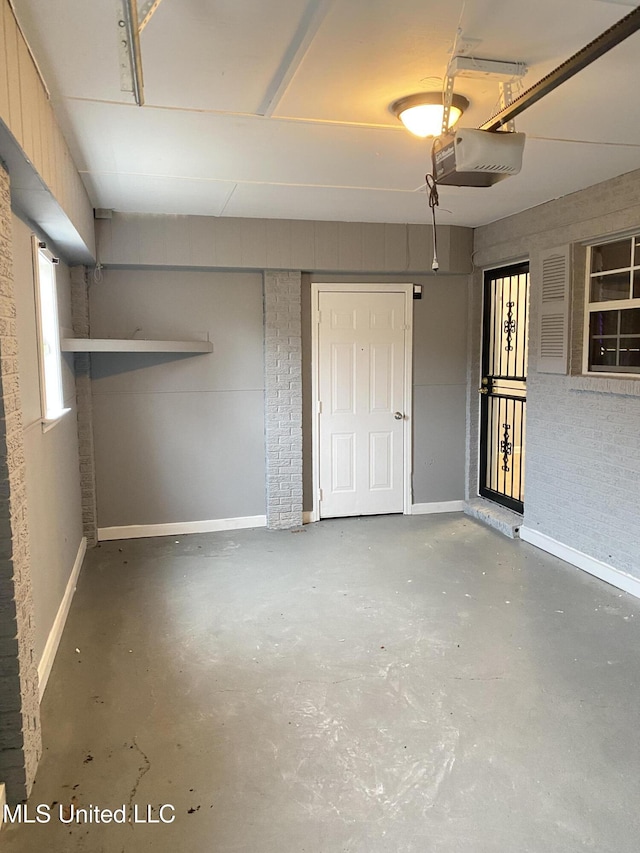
130,56
147,11
506,98
447,98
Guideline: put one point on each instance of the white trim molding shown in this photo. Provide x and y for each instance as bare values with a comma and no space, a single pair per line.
180,528
55,634
602,571
3,800
437,506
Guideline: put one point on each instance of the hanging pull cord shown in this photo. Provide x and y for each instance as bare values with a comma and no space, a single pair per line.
432,190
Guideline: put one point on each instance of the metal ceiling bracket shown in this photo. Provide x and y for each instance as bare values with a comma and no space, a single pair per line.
124,59
146,12
506,97
130,58
447,98
472,66
607,40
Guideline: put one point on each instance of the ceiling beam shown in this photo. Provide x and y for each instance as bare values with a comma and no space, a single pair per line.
313,16
607,40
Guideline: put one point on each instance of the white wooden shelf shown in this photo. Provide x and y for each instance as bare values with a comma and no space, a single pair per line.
126,345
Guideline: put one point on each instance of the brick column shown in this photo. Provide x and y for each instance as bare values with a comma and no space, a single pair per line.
84,401
20,740
283,398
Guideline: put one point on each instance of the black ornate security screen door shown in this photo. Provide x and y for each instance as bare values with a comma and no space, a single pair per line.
503,387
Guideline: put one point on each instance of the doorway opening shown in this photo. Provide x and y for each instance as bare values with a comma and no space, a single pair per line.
503,387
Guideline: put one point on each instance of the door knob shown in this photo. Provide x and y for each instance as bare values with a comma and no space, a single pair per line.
398,416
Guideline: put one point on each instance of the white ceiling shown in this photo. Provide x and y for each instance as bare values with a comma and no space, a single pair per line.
279,108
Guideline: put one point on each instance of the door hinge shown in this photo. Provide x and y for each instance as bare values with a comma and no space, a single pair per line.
320,494
319,407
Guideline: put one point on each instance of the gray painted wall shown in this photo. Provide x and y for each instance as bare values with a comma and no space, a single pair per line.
144,406
583,435
52,467
439,384
439,389
132,239
179,438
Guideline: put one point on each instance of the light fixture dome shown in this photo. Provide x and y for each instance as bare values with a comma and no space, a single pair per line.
422,113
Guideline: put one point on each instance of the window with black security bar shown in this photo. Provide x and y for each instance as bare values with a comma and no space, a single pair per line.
503,387
612,316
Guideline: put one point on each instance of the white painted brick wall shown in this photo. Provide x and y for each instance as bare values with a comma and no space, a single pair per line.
283,398
583,433
20,739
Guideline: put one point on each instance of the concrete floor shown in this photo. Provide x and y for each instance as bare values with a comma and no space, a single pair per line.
380,685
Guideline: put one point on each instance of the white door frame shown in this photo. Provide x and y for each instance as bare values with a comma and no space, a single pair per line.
364,287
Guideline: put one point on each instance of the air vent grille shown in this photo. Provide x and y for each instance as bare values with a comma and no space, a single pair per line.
492,167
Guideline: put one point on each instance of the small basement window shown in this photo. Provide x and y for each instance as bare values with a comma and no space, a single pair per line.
612,315
51,391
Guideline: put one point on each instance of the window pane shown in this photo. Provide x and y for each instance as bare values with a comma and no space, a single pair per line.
49,338
604,323
630,352
611,256
606,287
629,321
614,336
603,352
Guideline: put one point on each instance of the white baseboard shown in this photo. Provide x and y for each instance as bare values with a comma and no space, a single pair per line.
437,506
603,571
53,640
180,528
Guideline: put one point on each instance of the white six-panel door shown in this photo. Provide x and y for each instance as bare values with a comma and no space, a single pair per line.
361,367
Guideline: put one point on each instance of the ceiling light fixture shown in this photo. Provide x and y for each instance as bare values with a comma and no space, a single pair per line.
422,113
